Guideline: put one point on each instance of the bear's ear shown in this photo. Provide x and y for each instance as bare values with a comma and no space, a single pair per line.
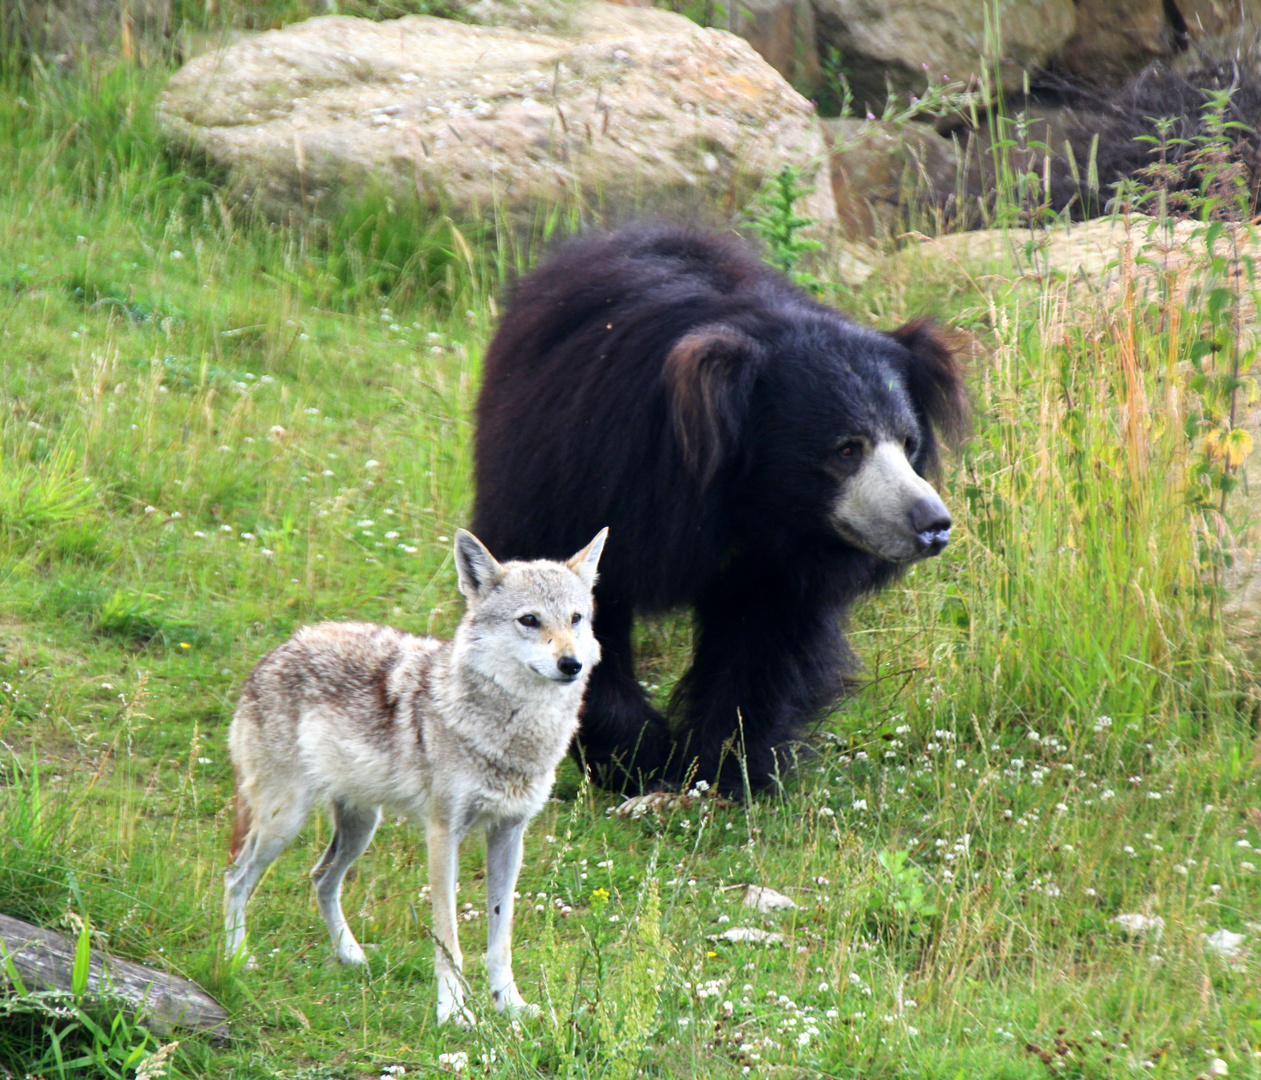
935,377
708,374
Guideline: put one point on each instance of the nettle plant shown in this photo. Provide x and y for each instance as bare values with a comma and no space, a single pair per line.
1209,180
1196,196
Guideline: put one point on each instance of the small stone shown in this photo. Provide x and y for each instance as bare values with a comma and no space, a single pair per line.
1141,926
1226,943
760,898
749,934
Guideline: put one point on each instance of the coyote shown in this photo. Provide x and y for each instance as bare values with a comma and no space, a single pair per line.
452,734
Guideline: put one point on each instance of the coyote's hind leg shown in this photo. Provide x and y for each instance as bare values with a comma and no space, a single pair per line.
353,829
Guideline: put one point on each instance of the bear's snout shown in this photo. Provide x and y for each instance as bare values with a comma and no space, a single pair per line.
930,521
891,511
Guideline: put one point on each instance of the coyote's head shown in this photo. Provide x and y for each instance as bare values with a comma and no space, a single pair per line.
528,621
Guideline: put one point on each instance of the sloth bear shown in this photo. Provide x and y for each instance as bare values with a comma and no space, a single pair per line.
756,456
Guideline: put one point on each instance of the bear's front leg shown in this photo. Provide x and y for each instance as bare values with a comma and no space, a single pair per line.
769,656
622,738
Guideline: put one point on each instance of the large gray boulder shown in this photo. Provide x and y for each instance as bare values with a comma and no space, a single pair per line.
633,108
909,42
1115,38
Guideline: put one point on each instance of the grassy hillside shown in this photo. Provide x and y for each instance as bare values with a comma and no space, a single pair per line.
213,430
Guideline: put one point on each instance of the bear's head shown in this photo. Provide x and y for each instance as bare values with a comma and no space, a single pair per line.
821,427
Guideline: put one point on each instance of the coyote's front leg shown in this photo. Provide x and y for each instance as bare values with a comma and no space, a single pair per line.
444,864
503,864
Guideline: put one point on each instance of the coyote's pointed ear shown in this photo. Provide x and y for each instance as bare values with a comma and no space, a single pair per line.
475,566
708,374
584,564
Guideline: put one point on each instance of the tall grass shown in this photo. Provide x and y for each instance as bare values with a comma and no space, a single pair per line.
215,429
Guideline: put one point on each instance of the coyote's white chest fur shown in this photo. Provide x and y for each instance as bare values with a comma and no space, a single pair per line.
452,734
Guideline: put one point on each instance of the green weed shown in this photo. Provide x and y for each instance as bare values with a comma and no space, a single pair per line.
774,219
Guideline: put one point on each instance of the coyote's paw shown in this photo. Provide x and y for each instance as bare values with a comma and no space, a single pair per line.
451,1007
457,1013
509,1001
350,952
242,961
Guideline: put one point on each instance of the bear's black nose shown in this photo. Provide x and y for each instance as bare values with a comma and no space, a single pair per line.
569,666
930,521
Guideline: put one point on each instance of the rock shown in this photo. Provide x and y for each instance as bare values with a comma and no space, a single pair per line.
1226,943
1212,18
1104,253
908,42
1114,38
748,934
544,15
783,33
880,169
760,898
635,107
855,261
1149,927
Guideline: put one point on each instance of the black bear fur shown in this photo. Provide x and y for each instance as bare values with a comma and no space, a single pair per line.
664,381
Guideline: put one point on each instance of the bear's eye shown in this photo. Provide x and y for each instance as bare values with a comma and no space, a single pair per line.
850,448
910,445
577,618
532,621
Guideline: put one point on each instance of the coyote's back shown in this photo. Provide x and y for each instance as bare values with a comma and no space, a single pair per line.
332,714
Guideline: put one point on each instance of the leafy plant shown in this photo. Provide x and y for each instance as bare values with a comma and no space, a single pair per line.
627,1016
900,900
773,217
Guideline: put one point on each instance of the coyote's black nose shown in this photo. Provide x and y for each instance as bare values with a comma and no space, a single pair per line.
930,521
569,666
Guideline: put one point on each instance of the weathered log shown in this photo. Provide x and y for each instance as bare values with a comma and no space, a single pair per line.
44,960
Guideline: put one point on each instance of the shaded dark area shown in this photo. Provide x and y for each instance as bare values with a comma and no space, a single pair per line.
1119,131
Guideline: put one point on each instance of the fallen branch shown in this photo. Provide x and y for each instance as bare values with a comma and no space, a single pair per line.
44,960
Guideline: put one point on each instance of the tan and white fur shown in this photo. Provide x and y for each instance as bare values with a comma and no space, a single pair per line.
455,735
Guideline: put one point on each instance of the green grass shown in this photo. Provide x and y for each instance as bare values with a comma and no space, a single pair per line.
213,430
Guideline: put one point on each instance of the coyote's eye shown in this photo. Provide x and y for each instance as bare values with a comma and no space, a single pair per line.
577,618
532,621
